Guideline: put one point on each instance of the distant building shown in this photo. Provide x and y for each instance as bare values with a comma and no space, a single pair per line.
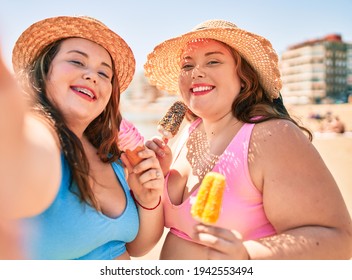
317,71
349,72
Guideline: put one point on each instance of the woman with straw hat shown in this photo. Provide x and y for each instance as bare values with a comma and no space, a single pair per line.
61,172
280,200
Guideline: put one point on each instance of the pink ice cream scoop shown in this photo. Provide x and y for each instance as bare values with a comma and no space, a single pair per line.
130,141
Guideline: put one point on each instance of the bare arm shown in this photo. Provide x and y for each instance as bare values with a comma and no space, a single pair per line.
30,158
150,231
147,182
301,198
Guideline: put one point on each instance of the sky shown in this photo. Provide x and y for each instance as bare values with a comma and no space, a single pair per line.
144,24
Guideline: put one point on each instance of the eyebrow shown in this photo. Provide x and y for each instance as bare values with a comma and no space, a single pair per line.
86,55
206,54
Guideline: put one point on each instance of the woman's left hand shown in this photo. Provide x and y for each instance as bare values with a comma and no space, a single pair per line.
146,179
162,151
222,244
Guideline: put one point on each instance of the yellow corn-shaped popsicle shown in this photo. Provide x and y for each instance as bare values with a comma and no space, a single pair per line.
206,208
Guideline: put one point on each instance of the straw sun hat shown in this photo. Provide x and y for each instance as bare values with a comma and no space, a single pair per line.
163,65
42,33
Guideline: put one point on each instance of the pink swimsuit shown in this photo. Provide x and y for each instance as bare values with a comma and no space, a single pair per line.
242,207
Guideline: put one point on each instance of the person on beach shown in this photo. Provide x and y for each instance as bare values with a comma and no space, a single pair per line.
62,175
332,123
280,199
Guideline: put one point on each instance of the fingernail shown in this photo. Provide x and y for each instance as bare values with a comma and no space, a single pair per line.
200,227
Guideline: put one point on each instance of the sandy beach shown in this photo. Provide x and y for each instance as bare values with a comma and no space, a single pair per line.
335,149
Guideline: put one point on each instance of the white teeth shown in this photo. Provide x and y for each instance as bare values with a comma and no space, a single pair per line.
203,88
85,91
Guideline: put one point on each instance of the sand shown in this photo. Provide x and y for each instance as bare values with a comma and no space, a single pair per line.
335,149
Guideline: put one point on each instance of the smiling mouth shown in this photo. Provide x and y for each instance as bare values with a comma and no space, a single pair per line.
202,89
84,91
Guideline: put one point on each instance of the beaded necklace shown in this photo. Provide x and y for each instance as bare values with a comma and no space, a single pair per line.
199,155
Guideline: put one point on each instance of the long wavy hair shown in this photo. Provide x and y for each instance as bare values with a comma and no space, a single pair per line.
252,100
102,132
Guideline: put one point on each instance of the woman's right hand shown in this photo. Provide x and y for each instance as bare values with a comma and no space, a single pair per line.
162,151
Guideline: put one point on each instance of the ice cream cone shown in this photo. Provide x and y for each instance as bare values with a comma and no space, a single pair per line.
133,157
130,141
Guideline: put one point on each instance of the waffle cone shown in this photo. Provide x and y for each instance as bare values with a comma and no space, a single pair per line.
133,157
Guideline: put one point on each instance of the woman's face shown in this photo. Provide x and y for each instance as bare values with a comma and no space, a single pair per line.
208,80
79,81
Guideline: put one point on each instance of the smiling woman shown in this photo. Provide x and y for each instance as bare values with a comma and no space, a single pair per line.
280,200
85,73
73,198
82,60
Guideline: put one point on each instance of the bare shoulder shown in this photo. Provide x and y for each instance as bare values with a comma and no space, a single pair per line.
275,136
278,131
275,144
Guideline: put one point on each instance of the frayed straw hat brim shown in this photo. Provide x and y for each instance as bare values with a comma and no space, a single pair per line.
40,34
163,64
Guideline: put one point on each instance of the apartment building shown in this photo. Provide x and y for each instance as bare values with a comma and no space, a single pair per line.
317,71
